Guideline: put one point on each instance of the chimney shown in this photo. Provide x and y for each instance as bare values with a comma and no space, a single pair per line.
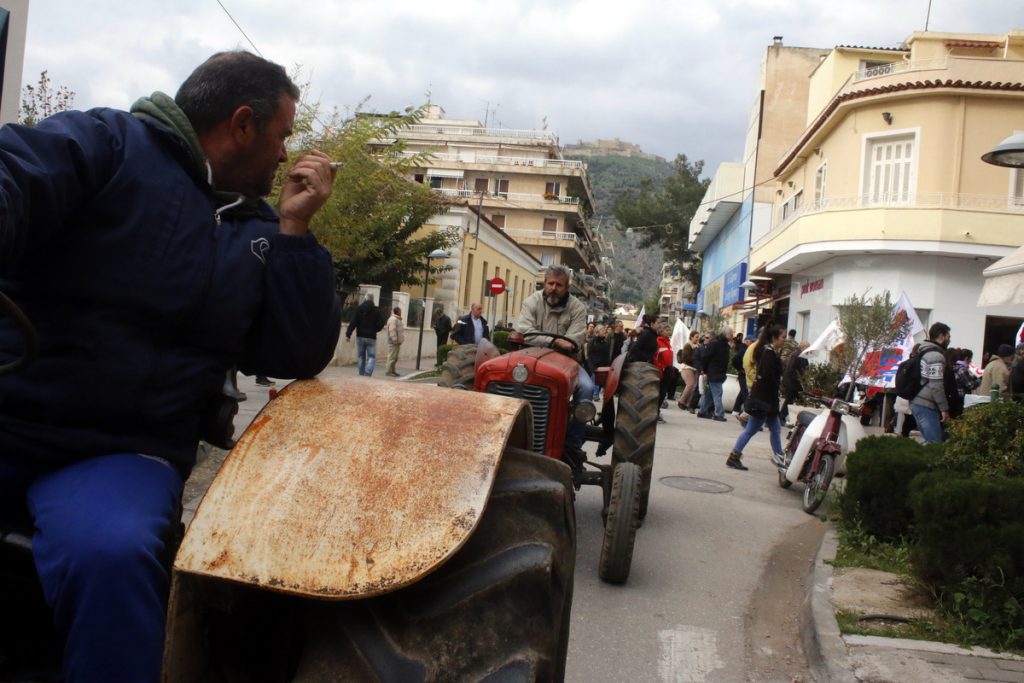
777,41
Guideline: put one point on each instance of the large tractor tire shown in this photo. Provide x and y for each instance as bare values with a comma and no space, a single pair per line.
458,371
498,610
636,423
621,524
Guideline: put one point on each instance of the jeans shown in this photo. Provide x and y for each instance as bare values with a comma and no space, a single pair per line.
714,392
101,533
928,421
576,432
366,352
754,424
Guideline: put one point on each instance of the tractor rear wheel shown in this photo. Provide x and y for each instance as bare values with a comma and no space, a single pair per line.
621,524
459,368
636,423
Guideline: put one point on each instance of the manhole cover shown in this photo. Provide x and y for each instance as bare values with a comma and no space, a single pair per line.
696,484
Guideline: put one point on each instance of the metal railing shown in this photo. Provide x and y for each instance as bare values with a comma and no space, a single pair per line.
509,161
901,67
548,138
552,235
510,196
907,200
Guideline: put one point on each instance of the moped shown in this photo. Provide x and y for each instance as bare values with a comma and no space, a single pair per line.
817,445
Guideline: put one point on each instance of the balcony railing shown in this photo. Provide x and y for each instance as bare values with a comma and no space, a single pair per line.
547,235
900,67
907,200
545,136
511,196
509,161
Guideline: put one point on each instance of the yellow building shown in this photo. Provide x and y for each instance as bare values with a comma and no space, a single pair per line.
517,180
884,187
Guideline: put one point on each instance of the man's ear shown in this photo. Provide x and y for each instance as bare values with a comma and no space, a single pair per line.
243,125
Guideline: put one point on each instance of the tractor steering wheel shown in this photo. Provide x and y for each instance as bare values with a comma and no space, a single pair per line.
551,345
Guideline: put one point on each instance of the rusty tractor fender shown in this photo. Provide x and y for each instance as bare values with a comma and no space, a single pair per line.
325,495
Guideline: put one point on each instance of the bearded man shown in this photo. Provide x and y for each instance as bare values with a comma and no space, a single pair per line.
554,310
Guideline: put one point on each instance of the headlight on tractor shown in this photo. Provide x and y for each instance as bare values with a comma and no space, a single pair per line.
584,411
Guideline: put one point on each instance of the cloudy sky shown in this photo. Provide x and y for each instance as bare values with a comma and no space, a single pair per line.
675,76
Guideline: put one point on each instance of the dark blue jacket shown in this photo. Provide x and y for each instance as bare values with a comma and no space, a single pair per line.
142,295
464,332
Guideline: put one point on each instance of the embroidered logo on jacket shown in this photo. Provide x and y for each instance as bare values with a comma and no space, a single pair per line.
260,247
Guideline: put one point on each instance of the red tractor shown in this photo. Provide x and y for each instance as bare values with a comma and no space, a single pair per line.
546,379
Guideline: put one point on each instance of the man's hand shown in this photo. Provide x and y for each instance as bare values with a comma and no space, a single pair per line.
562,344
348,338
308,187
945,416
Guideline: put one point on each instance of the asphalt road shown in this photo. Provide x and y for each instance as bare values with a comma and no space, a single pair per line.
694,608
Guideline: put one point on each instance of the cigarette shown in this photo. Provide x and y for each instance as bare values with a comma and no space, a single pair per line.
336,164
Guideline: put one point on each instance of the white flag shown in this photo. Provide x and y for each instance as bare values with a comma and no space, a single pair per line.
639,317
680,334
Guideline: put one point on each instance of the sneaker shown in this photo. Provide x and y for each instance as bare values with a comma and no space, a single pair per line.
263,381
734,461
661,419
392,374
779,459
706,417
742,419
719,418
664,404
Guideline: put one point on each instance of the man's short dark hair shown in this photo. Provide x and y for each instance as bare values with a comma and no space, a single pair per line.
938,328
792,333
396,309
229,80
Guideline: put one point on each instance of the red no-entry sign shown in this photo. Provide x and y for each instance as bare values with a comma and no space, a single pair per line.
496,286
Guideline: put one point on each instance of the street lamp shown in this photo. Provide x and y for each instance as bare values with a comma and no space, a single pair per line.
437,253
747,286
1009,152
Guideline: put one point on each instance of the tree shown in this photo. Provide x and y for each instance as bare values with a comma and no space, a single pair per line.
371,221
667,207
869,325
43,100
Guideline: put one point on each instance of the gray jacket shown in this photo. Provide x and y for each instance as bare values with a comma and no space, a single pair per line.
933,368
569,320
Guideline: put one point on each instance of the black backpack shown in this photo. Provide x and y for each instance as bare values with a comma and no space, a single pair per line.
908,377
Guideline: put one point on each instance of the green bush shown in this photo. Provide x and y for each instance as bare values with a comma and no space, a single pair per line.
970,546
500,339
878,476
988,440
821,379
442,353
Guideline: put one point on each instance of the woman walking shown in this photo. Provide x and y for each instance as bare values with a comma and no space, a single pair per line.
763,403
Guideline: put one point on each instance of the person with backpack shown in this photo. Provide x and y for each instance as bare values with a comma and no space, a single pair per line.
929,405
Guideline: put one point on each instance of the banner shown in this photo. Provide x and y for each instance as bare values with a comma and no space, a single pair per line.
886,361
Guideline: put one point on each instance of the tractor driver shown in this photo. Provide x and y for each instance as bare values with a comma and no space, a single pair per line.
554,310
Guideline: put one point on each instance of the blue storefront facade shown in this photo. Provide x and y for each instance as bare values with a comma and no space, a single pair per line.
724,266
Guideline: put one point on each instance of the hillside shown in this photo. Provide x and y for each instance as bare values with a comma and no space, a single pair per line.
636,273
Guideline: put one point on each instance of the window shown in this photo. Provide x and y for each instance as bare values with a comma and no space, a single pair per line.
436,182
791,205
890,176
498,219
547,258
803,325
552,190
870,67
550,225
480,185
418,177
501,187
819,186
483,282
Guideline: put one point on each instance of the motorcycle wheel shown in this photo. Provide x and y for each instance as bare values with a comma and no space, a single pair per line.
817,483
783,482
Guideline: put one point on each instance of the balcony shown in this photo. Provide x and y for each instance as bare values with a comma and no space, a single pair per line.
523,134
940,223
521,162
540,199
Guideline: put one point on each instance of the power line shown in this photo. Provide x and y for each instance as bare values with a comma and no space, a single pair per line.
240,30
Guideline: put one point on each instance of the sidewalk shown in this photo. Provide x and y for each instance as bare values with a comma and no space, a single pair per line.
869,659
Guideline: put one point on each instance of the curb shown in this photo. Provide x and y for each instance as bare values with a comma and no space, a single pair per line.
827,655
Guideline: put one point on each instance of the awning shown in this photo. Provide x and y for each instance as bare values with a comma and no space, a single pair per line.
443,173
1004,281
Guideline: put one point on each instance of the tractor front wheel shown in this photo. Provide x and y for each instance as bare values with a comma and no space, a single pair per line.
459,368
621,524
